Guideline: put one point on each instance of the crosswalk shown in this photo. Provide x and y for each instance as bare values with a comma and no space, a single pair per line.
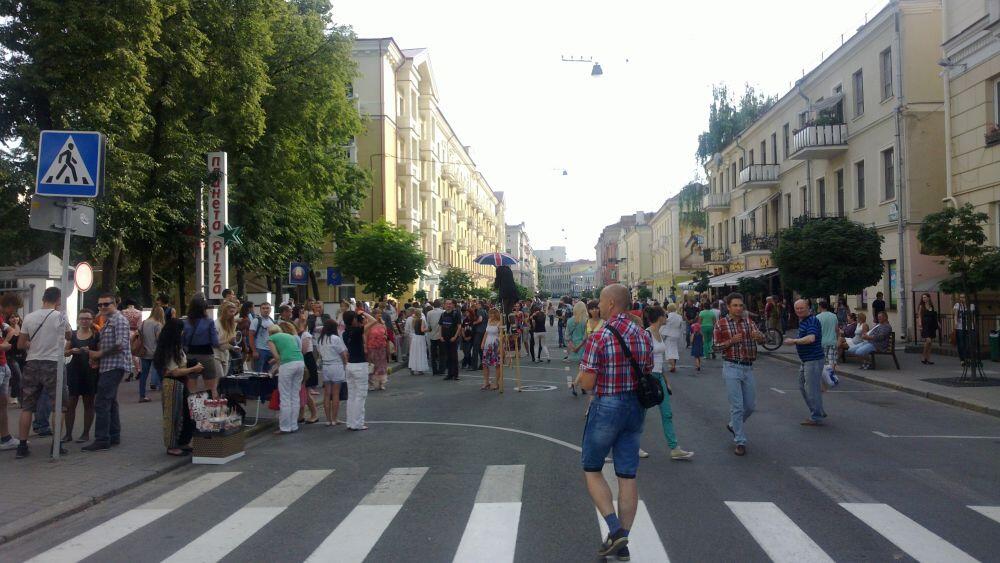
491,532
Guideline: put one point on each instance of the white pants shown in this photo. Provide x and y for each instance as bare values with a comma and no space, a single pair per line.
357,392
289,382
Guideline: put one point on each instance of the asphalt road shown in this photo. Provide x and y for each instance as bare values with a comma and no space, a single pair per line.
890,477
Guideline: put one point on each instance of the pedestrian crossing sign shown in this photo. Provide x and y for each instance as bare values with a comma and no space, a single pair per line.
70,164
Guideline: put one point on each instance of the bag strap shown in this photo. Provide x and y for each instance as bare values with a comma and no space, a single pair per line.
32,337
636,370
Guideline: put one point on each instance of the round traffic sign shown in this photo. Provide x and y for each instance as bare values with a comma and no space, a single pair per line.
83,276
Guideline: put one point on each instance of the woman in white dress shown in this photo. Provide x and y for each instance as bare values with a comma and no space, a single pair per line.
672,332
418,345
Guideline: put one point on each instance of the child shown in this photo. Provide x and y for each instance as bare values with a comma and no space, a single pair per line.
697,351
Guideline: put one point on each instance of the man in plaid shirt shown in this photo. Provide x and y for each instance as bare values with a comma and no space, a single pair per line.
736,337
114,359
615,418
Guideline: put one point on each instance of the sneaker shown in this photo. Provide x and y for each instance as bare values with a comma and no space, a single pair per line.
45,433
96,447
623,554
613,544
22,450
10,444
678,453
643,453
740,450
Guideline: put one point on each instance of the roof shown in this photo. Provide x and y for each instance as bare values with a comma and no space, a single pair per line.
47,266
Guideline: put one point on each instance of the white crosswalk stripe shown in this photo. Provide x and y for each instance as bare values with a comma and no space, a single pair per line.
99,537
227,535
918,542
491,534
355,537
780,538
644,542
991,512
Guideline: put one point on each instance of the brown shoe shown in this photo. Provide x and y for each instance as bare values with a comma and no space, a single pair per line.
740,450
811,423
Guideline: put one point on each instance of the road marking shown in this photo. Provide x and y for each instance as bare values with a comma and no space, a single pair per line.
918,542
358,533
884,435
491,533
776,390
782,391
573,447
643,540
227,535
97,538
832,486
780,538
991,512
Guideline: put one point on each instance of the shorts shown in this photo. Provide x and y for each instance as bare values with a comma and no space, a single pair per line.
4,382
614,424
333,373
832,354
38,375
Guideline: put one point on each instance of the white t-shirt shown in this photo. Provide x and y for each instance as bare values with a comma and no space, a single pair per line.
331,348
47,330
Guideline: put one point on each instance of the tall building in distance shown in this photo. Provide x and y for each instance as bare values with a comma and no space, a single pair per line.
425,179
609,258
568,278
550,255
518,245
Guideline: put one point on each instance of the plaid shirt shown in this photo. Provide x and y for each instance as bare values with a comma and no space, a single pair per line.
116,333
603,355
743,348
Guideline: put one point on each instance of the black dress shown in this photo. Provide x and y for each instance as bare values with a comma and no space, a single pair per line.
80,377
928,324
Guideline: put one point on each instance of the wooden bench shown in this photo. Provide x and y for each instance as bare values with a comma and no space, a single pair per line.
871,358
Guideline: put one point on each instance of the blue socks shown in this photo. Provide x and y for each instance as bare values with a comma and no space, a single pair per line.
613,523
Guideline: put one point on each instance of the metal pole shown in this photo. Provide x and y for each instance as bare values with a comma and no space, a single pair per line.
61,364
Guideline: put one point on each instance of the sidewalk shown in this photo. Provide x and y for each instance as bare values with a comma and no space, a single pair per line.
910,378
38,491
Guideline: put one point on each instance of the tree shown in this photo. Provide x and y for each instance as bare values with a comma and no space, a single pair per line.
523,293
482,293
420,295
544,294
587,294
751,286
727,118
456,284
383,257
702,284
645,293
822,257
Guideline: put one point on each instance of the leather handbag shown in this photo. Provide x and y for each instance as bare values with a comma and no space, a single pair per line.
647,388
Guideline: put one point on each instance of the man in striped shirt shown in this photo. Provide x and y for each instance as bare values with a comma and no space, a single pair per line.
736,338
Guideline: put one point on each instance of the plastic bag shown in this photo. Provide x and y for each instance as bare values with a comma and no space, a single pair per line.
830,377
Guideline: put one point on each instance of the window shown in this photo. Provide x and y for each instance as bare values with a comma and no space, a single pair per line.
802,200
839,174
774,148
859,93
885,73
803,117
888,176
821,190
751,157
763,152
784,132
891,284
743,163
996,102
733,231
732,173
859,179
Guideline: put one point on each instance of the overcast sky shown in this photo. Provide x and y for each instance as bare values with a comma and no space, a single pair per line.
626,139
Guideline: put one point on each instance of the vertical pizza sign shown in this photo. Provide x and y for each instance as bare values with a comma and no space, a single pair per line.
218,211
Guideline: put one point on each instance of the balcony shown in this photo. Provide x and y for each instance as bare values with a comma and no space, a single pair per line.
408,170
716,255
716,202
462,215
426,187
449,173
758,244
819,142
760,175
448,237
407,122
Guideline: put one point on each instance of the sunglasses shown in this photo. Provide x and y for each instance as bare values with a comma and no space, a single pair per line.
108,304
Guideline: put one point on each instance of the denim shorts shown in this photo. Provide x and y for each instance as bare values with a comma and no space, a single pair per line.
614,424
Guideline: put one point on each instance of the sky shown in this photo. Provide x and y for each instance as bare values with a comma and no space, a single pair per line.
626,139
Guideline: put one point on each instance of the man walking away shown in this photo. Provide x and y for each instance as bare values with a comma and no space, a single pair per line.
43,335
809,346
736,337
114,358
438,350
828,323
615,418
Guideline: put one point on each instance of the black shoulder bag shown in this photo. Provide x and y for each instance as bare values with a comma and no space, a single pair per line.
647,388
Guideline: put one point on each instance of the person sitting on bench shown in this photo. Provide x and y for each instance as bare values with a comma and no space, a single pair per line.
875,340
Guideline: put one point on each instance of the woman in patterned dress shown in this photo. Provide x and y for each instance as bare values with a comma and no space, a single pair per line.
171,362
492,359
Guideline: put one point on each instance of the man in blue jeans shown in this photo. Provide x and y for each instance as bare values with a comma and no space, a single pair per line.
736,337
114,359
615,418
809,346
259,338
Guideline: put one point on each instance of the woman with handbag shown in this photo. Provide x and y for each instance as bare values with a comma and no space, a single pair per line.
576,333
171,363
656,317
200,341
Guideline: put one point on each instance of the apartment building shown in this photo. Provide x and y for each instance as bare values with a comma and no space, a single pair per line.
550,255
859,136
678,236
425,180
568,278
635,245
518,245
609,257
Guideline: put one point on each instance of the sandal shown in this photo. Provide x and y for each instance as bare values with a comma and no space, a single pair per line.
484,387
178,452
313,421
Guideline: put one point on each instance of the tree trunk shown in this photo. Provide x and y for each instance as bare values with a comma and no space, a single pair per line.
146,278
315,284
109,275
278,289
241,281
270,286
181,270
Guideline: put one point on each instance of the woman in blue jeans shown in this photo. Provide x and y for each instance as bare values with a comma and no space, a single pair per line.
149,333
656,317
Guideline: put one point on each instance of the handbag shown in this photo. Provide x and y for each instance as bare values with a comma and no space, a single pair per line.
647,388
275,402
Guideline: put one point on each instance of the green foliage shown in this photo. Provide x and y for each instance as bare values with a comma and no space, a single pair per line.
702,285
420,295
751,286
482,293
544,294
645,293
957,235
456,284
585,294
727,118
822,257
383,257
523,293
690,202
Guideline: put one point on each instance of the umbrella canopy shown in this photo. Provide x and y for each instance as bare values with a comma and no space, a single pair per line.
496,259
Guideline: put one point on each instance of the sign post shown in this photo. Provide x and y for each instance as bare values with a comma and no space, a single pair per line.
218,214
70,164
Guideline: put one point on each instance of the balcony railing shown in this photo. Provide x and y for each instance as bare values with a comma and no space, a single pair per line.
408,170
819,141
449,173
762,175
758,243
715,202
716,255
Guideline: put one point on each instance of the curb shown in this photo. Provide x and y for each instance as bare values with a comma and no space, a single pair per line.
983,409
72,506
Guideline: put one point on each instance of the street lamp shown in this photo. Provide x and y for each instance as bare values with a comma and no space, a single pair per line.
596,70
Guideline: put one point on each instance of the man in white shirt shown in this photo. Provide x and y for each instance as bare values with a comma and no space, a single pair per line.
438,350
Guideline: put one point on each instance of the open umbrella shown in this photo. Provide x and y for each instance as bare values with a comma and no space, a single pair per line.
496,259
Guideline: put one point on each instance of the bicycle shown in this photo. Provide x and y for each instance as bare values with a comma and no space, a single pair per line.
773,337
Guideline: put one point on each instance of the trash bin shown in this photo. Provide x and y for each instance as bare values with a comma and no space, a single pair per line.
995,346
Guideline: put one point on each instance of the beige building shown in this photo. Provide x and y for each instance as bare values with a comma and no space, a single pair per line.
635,246
518,245
568,278
677,247
860,137
425,179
